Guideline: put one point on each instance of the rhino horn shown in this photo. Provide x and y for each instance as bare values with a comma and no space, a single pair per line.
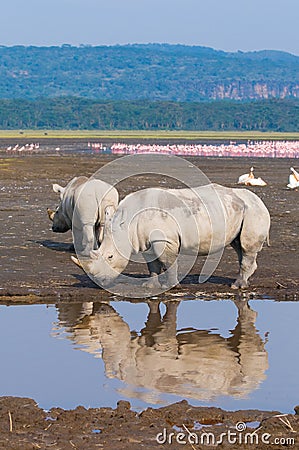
50,213
77,262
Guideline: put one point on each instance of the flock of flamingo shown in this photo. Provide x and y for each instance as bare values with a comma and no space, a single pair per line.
262,149
268,149
26,148
254,149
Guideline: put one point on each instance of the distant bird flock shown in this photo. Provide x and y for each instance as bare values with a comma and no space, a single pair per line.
19,149
26,148
259,149
254,149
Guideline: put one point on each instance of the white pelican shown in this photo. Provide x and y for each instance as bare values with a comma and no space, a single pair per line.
249,179
247,176
255,182
293,179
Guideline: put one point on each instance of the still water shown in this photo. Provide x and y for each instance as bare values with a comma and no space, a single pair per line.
234,355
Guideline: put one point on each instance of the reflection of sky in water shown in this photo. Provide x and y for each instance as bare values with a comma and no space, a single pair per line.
35,363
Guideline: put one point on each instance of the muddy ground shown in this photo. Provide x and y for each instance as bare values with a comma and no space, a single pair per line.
24,426
35,262
35,267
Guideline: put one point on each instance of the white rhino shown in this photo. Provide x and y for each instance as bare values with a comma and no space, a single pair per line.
82,209
163,223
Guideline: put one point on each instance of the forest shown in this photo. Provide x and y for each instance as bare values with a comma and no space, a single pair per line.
84,114
147,87
156,72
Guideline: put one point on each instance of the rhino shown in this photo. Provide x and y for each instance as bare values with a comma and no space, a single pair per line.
82,209
163,223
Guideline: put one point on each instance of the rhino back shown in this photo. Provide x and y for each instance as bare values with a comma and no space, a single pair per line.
68,200
91,198
210,214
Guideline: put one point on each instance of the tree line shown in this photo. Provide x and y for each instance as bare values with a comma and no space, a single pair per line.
83,114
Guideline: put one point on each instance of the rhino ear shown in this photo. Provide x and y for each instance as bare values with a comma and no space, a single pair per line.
58,189
109,211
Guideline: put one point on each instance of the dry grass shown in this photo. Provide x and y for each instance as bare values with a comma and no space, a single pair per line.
140,134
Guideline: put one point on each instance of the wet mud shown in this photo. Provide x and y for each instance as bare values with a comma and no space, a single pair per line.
23,425
35,262
36,268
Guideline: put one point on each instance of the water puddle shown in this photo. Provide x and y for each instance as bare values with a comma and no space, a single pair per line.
234,355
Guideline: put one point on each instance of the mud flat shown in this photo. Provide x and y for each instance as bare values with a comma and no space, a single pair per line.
24,425
36,268
35,262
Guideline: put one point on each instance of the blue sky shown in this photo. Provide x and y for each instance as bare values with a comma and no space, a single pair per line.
228,25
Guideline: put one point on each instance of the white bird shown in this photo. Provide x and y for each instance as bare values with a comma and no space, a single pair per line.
255,182
247,176
293,179
249,179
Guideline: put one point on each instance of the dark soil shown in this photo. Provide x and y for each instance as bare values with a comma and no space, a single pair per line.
35,267
24,426
35,262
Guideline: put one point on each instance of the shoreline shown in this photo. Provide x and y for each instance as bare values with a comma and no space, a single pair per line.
24,425
140,135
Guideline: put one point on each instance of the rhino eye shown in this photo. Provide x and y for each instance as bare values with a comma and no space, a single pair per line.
110,257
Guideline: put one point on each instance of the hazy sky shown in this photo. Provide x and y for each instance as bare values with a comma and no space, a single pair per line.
222,24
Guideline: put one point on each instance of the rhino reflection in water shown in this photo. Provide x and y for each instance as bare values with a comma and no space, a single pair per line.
190,363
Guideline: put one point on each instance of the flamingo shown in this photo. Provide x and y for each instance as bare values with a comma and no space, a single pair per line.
293,179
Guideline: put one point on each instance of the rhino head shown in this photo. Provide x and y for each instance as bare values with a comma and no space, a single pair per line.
108,262
60,222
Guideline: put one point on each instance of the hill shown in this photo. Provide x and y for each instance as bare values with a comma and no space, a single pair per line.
155,72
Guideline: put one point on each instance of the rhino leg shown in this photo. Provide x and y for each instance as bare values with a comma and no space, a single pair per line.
84,239
247,268
247,262
236,245
152,283
162,256
171,276
168,258
155,268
